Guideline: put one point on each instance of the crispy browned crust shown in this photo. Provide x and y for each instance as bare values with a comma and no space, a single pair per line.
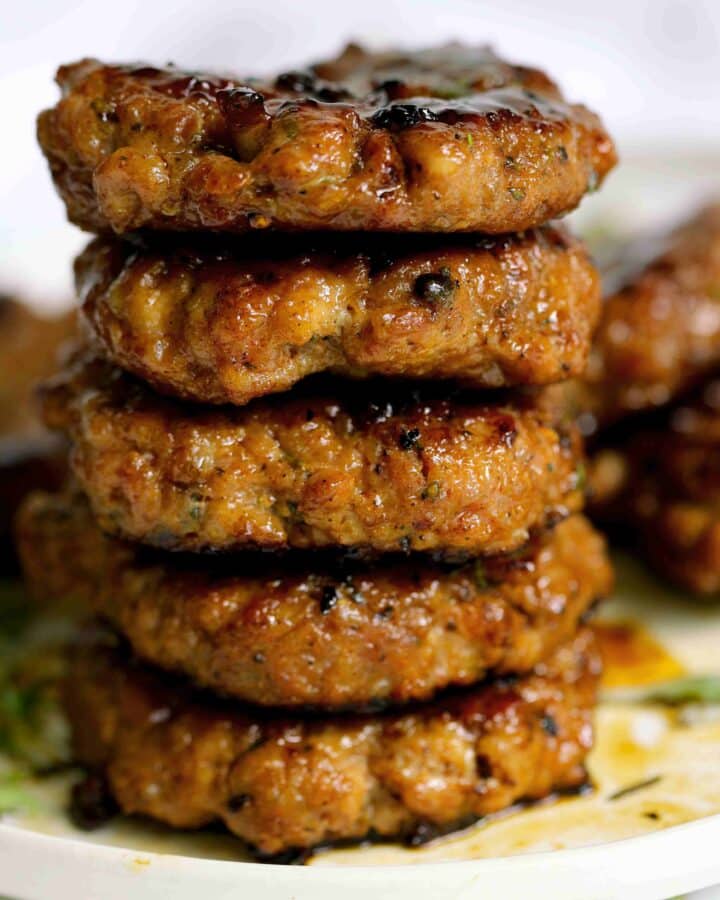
426,472
225,325
313,631
284,784
660,334
449,139
662,482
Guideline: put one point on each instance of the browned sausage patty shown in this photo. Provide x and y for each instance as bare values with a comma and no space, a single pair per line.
34,462
659,334
28,352
662,485
283,784
408,472
313,631
447,139
30,457
225,325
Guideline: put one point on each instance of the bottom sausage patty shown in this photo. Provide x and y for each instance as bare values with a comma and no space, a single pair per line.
281,784
319,632
661,485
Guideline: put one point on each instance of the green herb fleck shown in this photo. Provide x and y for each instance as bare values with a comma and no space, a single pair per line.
432,491
196,506
33,730
13,792
479,575
581,477
517,193
691,689
290,127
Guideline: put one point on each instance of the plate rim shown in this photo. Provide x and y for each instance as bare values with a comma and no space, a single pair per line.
677,858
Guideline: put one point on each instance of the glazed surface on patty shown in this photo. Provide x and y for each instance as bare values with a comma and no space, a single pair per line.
412,471
226,325
446,139
660,333
313,631
288,784
662,481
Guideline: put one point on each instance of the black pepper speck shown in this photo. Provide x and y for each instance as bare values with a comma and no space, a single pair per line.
328,599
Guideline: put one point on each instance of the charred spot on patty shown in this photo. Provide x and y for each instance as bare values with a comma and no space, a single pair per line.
328,599
399,116
92,804
435,287
410,439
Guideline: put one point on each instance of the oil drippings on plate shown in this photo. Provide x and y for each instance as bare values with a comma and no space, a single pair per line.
632,656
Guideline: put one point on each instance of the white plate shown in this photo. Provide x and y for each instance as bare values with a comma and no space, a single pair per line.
582,848
37,867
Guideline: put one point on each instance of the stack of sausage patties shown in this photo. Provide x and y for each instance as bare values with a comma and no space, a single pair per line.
368,585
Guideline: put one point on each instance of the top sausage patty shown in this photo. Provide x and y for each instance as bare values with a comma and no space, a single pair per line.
227,324
446,139
376,467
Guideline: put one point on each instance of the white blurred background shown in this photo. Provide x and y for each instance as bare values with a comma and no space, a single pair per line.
651,69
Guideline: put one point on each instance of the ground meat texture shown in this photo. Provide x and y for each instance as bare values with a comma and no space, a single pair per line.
225,326
285,784
448,139
658,486
660,333
317,632
426,472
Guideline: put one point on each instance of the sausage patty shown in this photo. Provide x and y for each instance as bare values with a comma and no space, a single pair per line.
660,484
287,784
32,462
29,346
447,139
316,631
660,333
225,325
428,472
30,457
